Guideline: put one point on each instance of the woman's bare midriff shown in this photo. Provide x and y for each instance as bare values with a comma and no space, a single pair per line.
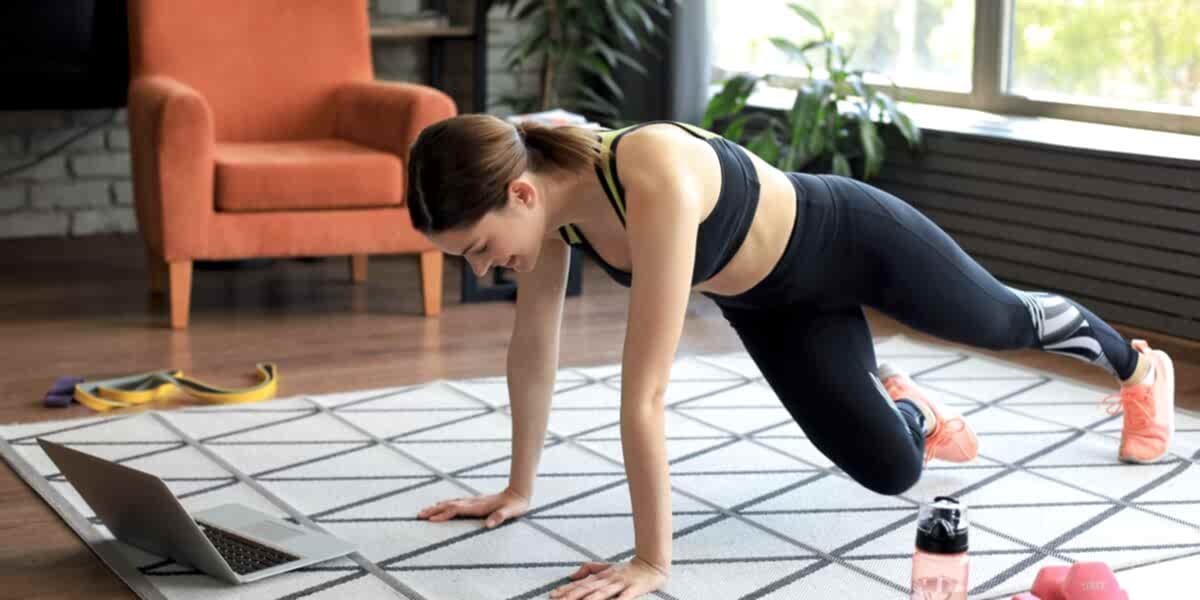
767,238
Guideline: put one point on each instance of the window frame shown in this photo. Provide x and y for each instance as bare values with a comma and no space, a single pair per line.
990,77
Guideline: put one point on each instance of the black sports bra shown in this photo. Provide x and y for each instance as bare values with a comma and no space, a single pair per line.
721,233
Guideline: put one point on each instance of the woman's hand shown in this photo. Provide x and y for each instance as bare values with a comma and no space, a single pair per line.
600,581
497,507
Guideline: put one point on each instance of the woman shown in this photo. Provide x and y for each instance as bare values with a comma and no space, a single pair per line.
790,259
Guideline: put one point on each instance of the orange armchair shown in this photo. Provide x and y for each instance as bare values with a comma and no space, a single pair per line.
257,129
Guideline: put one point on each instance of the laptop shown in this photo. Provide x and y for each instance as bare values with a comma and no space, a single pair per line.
231,542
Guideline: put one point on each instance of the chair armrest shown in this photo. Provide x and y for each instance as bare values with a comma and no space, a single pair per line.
388,115
172,141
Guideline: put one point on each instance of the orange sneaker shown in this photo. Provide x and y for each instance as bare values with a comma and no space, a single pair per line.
951,438
1149,410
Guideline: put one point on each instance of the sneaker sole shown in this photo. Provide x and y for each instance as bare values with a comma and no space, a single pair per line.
1170,385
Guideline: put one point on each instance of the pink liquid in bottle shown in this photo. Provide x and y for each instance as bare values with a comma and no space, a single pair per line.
940,565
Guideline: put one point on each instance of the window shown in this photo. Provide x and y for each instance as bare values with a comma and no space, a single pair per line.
1124,62
1136,53
918,43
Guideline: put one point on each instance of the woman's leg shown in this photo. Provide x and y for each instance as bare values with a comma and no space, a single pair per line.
822,367
924,279
927,281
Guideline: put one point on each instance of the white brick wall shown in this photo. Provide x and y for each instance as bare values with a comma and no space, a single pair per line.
90,222
81,186
13,198
33,224
71,194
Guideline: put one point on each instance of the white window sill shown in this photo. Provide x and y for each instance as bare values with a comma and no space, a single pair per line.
1078,135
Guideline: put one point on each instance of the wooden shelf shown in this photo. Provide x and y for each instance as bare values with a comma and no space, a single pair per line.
420,32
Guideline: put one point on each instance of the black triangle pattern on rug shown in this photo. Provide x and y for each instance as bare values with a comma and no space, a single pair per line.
758,512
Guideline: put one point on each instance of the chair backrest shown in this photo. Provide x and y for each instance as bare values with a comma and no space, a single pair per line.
267,68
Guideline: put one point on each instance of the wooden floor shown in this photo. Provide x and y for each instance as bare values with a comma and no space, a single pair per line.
81,307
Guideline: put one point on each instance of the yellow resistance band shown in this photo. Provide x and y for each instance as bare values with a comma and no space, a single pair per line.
130,390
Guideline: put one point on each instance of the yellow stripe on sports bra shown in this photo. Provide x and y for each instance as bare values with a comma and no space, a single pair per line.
607,168
609,165
699,131
572,236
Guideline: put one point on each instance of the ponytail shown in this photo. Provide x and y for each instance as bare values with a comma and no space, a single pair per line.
565,147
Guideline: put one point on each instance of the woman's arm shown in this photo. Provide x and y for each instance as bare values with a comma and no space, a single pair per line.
533,360
663,215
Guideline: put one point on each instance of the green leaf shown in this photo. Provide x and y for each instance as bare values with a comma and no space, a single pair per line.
731,99
629,62
735,130
626,32
765,146
906,125
886,104
841,166
528,9
612,85
660,9
594,64
840,53
872,145
590,99
816,142
800,52
809,16
863,91
647,22
807,119
536,41
723,103
787,46
911,133
592,95
511,4
602,108
800,120
610,54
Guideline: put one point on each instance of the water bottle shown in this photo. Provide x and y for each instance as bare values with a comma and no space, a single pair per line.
939,568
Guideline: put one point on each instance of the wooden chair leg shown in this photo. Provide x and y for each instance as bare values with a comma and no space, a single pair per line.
431,282
158,274
180,273
358,268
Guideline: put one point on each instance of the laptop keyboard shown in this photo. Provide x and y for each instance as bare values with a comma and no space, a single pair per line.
243,555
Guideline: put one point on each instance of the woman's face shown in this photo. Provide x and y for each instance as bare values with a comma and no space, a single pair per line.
509,237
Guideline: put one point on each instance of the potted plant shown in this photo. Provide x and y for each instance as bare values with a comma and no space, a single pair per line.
580,42
834,121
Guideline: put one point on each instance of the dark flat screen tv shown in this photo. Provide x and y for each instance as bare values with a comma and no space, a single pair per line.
63,54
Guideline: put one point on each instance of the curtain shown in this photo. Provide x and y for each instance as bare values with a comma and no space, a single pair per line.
691,61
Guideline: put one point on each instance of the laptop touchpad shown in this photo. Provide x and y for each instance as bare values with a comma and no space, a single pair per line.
271,531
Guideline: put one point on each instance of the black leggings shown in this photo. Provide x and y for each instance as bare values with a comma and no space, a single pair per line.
855,245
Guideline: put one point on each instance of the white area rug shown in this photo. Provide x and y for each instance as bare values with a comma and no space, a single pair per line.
758,512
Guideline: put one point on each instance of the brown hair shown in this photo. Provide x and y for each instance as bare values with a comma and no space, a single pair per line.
459,168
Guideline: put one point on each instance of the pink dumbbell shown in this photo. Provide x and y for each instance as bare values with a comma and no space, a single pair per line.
1081,581
1049,583
1092,581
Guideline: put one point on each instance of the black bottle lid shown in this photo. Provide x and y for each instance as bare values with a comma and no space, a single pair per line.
942,526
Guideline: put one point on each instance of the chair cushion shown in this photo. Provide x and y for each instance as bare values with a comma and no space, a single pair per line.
305,175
